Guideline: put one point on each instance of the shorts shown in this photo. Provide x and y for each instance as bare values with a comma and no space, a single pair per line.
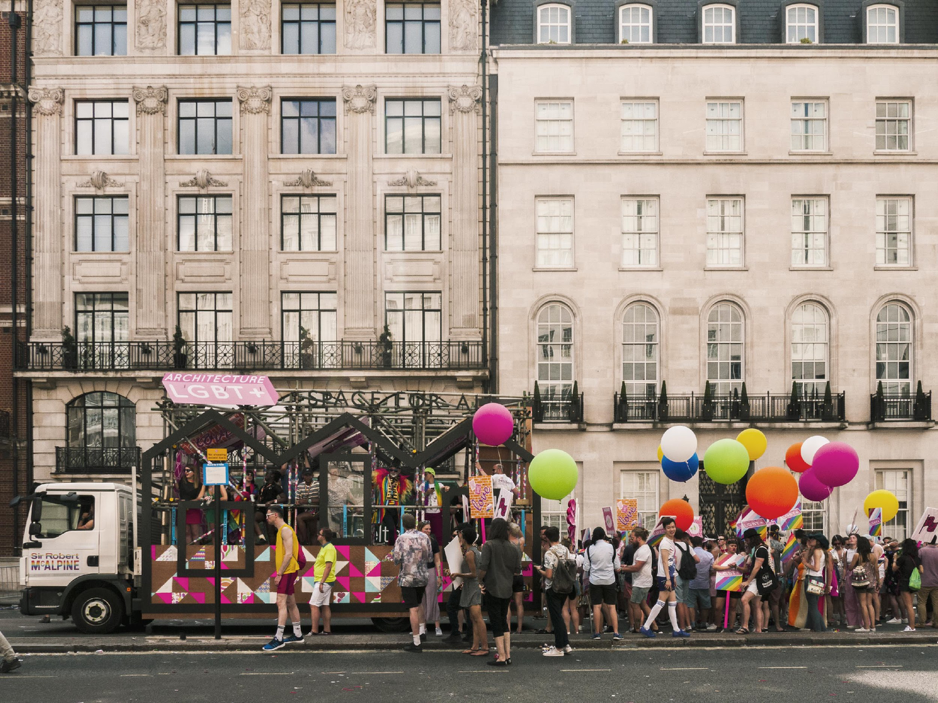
413,595
517,584
601,594
627,589
682,589
639,594
287,583
775,595
700,598
321,600
753,589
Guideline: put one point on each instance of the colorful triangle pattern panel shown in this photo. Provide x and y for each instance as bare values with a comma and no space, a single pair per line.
373,584
338,598
343,550
169,555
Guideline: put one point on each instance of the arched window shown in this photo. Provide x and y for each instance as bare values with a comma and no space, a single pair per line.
553,24
719,24
882,24
894,349
725,348
101,432
555,358
801,23
640,340
635,24
810,348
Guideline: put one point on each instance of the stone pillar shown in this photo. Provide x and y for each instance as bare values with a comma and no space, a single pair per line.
150,239
359,293
254,260
47,247
465,283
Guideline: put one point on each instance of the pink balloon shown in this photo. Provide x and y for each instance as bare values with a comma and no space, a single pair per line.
493,424
811,488
835,464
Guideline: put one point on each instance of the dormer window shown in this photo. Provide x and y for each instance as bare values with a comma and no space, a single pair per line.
801,22
719,24
635,24
882,24
553,24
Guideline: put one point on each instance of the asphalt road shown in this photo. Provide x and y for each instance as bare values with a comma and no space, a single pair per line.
895,674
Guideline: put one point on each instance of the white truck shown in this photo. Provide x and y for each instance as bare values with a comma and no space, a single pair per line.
79,555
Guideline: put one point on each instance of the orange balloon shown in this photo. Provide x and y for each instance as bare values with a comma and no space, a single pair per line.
682,512
794,461
772,492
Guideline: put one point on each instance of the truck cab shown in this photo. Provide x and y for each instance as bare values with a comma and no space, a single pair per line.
78,554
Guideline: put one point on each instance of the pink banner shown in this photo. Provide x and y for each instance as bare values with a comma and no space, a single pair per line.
219,389
610,522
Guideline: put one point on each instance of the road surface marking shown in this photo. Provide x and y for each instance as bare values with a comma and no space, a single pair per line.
783,667
570,670
485,671
124,676
879,666
362,673
266,673
688,668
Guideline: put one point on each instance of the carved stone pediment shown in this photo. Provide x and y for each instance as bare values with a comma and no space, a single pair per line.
255,100
360,99
99,181
411,179
48,100
307,179
464,98
150,100
203,179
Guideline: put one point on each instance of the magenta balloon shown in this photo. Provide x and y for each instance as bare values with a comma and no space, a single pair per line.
493,424
835,464
811,488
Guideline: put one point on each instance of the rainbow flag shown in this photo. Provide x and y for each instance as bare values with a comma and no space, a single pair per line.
876,522
792,520
790,546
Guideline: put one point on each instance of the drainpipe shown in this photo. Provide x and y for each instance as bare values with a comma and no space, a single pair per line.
488,385
14,22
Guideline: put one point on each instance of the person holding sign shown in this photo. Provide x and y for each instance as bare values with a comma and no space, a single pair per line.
667,575
759,559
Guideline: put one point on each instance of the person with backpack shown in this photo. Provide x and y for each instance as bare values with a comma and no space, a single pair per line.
559,572
686,572
601,564
864,579
667,575
760,582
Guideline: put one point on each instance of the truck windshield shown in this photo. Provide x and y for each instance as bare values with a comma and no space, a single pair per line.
60,515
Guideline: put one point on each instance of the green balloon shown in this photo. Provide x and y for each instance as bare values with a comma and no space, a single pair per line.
726,461
553,474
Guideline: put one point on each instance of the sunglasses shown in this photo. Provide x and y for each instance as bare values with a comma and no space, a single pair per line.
189,471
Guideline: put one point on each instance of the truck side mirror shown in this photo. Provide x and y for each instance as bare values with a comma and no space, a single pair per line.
35,529
37,509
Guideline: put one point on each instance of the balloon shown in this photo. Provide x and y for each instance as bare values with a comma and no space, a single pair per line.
810,446
794,461
680,471
553,474
812,489
772,492
726,461
682,512
836,463
754,441
679,443
493,424
882,499
660,454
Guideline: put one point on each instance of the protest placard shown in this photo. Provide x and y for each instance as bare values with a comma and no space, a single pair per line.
610,523
926,530
626,514
481,501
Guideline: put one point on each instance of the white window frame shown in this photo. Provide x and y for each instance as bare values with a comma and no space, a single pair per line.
891,336
627,29
554,513
647,495
651,320
719,127
810,343
551,125
899,482
800,29
722,25
550,231
719,384
898,223
555,357
885,120
641,223
560,24
721,236
811,510
810,227
806,114
638,126
882,26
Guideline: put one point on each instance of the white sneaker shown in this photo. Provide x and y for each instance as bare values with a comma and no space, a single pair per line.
439,632
894,621
711,628
861,629
909,629
553,652
568,649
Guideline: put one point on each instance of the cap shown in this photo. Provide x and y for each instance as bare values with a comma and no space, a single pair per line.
430,470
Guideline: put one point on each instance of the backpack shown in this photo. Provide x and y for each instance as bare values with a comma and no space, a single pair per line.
564,580
688,569
860,578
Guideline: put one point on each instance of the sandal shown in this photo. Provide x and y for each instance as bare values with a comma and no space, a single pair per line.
470,651
743,631
480,653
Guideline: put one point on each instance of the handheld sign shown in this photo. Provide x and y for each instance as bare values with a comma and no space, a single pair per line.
926,531
626,514
215,475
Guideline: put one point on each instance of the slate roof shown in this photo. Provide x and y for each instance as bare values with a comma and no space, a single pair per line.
759,21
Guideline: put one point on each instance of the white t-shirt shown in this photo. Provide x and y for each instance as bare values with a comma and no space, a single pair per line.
665,543
642,577
502,482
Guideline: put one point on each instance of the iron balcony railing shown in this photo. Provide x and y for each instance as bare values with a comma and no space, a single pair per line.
770,407
884,408
249,356
563,408
96,460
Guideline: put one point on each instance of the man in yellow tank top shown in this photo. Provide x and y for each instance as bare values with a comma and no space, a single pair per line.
288,550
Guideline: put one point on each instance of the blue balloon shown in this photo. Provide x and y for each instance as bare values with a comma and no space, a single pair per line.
680,471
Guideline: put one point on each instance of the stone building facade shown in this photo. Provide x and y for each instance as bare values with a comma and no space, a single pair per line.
293,187
691,194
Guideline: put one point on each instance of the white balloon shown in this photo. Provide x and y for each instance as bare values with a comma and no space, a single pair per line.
679,443
810,446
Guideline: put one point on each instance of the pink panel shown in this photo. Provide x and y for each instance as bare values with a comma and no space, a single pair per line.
343,550
199,597
375,571
344,580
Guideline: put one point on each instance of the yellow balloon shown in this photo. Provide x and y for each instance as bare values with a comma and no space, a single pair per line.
660,454
882,499
754,441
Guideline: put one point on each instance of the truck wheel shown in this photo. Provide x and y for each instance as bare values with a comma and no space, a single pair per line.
392,624
97,611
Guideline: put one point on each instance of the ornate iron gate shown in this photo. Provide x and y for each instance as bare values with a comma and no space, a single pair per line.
720,504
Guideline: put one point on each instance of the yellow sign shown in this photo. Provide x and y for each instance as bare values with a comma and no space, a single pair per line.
217,454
